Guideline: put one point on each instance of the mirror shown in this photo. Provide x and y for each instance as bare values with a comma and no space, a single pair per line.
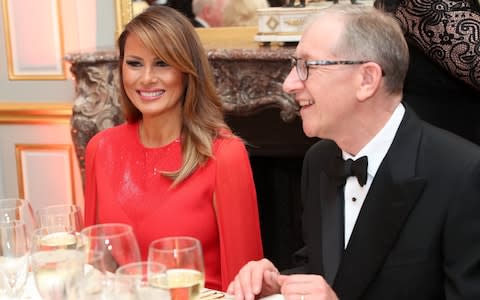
214,37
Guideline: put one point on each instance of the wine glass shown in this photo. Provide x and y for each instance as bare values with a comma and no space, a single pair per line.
17,209
96,277
14,255
139,280
68,215
184,261
58,260
117,243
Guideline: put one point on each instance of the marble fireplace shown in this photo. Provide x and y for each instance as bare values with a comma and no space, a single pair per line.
249,80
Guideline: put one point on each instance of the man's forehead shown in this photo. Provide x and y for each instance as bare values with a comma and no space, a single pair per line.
321,35
325,20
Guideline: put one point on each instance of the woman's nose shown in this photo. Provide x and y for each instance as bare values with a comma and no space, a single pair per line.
148,76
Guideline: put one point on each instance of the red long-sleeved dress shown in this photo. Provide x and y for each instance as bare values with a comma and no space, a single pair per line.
216,204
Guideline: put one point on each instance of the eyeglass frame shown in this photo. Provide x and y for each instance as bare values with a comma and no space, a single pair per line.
294,63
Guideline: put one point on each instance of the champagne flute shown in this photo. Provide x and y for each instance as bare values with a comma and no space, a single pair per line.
137,281
58,260
184,261
14,255
68,215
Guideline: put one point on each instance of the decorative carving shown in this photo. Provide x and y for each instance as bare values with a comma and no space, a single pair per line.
248,81
96,106
272,23
295,22
246,88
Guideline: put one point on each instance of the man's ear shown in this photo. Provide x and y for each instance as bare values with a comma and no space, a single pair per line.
371,74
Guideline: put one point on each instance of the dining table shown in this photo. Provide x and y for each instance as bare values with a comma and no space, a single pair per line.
30,293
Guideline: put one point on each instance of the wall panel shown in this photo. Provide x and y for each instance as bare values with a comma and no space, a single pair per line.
34,39
37,159
45,165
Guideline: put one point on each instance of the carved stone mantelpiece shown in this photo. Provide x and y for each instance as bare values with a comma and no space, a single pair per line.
96,105
249,80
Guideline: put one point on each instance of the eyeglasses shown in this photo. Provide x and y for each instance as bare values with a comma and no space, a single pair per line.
303,65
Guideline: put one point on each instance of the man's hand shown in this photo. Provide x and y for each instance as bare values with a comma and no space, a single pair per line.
305,287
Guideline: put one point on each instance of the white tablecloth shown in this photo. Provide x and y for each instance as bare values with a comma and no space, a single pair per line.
30,293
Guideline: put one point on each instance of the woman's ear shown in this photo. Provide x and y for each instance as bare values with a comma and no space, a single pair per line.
371,74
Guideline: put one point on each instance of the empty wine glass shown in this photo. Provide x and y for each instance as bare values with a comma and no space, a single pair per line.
16,209
14,255
58,260
96,277
67,215
116,241
115,245
184,261
139,280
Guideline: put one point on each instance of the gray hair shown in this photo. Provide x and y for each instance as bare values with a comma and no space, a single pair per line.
198,5
372,35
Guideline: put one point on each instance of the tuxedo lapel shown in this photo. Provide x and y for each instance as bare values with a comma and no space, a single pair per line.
317,188
332,229
393,193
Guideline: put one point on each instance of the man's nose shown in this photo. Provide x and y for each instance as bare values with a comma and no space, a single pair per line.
292,83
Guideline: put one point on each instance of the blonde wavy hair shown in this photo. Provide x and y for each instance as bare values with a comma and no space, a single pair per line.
172,38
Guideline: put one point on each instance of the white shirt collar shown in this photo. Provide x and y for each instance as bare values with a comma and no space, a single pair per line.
378,147
202,21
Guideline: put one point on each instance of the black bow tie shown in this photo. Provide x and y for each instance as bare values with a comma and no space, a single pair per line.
342,169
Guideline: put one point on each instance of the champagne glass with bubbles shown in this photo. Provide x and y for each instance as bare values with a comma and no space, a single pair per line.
14,254
183,259
58,260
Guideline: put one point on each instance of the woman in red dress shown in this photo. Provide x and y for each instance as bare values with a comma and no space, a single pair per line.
174,168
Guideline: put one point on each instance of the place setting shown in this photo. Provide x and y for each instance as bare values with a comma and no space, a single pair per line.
50,255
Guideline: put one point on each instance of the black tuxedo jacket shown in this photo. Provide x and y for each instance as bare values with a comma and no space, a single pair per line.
418,233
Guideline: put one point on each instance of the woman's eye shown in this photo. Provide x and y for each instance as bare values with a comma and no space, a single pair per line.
161,63
133,63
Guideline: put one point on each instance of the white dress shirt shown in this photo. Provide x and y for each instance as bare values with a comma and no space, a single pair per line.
375,150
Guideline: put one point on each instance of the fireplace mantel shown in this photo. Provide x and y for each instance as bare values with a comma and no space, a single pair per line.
247,79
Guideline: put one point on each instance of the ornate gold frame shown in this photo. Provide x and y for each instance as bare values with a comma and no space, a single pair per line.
123,14
44,148
11,72
35,113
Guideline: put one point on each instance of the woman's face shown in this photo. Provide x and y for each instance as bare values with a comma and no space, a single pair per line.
154,87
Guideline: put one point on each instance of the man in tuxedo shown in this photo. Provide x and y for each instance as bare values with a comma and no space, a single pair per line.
391,203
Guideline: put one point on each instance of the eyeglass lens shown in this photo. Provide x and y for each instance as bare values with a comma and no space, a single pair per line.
301,67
